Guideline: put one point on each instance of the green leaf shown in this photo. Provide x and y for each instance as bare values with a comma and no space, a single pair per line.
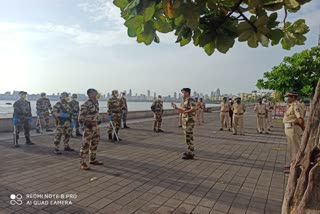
162,26
209,48
121,3
244,36
244,26
224,43
149,11
264,40
179,20
300,26
132,32
275,36
291,3
196,35
253,42
156,39
261,21
134,22
148,34
205,38
132,4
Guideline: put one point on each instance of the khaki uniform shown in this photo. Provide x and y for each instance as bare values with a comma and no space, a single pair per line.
224,115
188,121
261,111
238,111
115,110
89,119
293,132
269,112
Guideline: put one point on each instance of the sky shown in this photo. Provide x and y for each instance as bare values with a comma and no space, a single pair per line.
59,45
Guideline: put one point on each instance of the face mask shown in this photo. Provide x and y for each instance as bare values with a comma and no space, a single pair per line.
67,99
286,99
98,96
23,96
74,99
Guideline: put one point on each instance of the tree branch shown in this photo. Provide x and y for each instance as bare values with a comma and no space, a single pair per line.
248,21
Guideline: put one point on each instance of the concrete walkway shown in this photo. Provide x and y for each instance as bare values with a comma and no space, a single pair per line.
144,173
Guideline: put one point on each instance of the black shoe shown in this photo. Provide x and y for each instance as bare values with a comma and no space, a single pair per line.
160,130
229,130
187,156
234,133
68,149
16,145
49,130
38,131
98,163
29,143
179,126
57,152
267,133
221,129
115,139
78,134
126,127
110,136
155,130
260,132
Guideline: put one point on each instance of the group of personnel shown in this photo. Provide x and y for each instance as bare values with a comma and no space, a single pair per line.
69,115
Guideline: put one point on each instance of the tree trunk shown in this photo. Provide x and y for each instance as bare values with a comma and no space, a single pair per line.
302,195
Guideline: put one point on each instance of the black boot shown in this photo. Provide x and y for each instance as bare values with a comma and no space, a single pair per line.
110,136
115,138
28,141
57,152
68,149
49,130
78,133
125,126
187,156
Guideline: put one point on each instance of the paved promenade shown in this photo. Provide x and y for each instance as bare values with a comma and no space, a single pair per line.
144,173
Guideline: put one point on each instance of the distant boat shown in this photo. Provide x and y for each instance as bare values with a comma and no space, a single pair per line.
8,103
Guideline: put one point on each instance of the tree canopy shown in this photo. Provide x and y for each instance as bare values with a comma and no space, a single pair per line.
299,72
215,24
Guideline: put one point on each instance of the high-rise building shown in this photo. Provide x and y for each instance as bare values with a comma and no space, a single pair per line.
130,93
154,95
175,95
218,92
149,93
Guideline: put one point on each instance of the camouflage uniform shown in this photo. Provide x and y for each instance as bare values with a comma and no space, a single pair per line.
89,120
157,108
43,108
198,112
188,122
114,110
74,105
63,124
22,111
124,107
202,107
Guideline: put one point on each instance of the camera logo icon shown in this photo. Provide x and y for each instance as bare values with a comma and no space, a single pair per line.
16,199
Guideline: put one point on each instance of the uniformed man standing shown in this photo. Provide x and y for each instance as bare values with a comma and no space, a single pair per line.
202,106
188,111
43,107
269,112
197,111
89,119
124,105
238,110
294,125
157,109
115,115
231,112
22,118
261,110
62,112
75,107
224,114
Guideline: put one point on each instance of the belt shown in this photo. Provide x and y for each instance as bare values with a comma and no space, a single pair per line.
238,113
289,125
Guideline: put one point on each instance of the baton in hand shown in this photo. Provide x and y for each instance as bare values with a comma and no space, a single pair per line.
114,131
